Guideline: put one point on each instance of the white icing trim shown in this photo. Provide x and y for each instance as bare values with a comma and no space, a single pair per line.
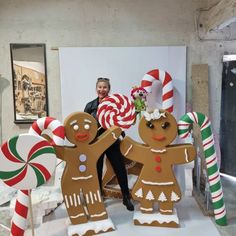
158,150
86,210
99,196
67,203
83,177
166,210
71,200
97,215
87,198
174,197
150,196
157,183
162,197
75,199
139,193
76,216
73,122
146,209
186,154
78,199
130,147
114,135
91,197
88,121
95,196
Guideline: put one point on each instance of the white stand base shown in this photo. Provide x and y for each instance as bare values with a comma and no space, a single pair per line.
156,219
100,226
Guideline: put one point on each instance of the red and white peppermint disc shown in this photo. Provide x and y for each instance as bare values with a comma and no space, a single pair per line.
116,110
51,124
26,161
167,87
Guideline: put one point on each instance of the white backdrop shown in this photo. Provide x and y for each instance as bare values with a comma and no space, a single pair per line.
125,66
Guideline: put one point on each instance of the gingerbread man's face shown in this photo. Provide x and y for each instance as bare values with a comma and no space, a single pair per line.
80,127
158,129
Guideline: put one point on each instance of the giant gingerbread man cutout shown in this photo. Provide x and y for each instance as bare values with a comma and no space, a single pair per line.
80,186
157,182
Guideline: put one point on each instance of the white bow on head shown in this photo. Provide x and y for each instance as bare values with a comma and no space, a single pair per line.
154,116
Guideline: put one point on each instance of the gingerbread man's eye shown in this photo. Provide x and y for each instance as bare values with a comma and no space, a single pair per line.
75,127
165,125
87,126
149,125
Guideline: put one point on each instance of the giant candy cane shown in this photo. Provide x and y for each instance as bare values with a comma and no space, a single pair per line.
51,124
167,86
211,160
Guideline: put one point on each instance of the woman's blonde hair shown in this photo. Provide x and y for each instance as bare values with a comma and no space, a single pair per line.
106,80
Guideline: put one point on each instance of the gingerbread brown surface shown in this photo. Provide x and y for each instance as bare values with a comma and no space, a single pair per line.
157,181
80,186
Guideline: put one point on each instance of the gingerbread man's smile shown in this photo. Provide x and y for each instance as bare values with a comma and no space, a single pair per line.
81,137
159,137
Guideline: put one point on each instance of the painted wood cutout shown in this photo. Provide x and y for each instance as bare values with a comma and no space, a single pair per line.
80,185
157,182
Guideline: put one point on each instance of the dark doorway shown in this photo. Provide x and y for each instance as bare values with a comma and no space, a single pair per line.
228,116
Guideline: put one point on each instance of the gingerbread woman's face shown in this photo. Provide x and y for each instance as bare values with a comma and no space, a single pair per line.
158,129
80,127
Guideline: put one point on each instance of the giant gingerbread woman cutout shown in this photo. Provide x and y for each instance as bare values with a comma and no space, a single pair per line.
80,186
157,182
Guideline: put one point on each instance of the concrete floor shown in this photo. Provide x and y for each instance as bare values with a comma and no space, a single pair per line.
192,221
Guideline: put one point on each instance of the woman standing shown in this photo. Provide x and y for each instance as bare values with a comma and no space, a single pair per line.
113,153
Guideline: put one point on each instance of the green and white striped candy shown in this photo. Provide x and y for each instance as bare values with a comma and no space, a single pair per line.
211,160
26,161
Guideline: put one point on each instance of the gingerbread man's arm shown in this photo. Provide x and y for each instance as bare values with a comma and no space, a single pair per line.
105,140
132,149
58,149
182,153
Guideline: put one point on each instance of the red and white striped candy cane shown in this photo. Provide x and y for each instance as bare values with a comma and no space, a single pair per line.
19,222
167,87
116,110
49,123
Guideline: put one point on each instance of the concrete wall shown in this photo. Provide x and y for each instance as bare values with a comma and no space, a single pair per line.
61,23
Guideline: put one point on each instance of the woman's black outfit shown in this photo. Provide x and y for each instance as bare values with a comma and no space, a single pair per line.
115,157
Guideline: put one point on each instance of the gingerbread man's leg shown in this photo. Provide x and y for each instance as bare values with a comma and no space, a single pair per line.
74,207
94,202
143,194
172,195
146,206
166,208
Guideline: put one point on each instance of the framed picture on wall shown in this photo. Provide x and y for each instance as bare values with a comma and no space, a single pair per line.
29,79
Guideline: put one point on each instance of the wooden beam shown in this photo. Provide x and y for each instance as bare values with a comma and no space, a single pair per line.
220,15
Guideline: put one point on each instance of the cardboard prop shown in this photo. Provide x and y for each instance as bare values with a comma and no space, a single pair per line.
211,160
26,162
80,185
157,182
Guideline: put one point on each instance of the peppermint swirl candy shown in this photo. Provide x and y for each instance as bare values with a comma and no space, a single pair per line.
26,161
116,110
